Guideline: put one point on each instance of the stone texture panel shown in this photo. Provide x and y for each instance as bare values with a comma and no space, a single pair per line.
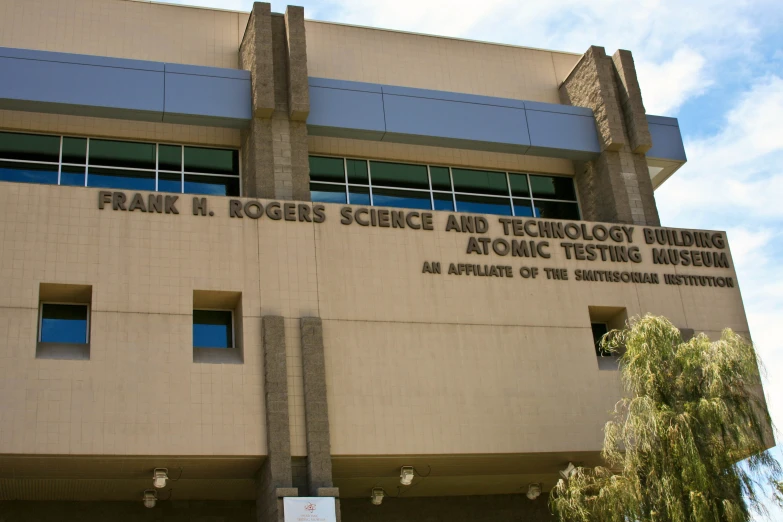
616,186
591,84
255,55
490,508
319,461
276,470
298,89
275,160
631,102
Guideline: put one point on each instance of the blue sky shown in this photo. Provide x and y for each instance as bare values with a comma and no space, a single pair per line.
717,65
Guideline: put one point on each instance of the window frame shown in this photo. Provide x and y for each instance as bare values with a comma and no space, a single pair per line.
233,329
40,321
509,197
86,165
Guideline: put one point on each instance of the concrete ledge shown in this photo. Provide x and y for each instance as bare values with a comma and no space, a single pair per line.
63,351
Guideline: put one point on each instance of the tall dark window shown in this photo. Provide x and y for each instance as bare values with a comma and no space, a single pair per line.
599,330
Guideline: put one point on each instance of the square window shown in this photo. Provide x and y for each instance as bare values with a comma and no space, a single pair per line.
213,329
217,327
64,323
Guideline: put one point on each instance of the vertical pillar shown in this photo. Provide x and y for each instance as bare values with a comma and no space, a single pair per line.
275,162
615,187
319,456
274,480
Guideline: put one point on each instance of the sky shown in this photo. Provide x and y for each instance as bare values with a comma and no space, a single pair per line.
717,65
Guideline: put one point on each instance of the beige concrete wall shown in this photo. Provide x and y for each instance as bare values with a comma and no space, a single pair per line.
416,363
372,55
124,29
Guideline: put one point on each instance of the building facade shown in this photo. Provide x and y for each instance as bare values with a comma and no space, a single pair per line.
262,258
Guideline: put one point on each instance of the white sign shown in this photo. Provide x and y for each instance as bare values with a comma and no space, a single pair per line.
309,509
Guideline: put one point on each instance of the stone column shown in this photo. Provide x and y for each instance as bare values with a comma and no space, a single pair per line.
274,480
615,187
275,162
319,456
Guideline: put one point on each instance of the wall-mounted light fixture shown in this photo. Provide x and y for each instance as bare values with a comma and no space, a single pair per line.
406,475
150,498
377,496
533,491
159,477
568,472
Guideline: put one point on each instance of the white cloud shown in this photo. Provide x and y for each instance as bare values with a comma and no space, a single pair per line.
669,84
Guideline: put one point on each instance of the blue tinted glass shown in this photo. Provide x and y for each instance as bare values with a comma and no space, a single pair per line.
28,173
557,210
479,181
168,182
401,199
61,323
73,176
481,205
212,329
553,187
523,207
323,193
121,179
443,201
359,195
211,185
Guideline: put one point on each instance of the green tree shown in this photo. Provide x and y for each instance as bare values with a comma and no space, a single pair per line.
693,410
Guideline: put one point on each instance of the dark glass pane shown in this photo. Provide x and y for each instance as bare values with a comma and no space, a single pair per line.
327,169
29,147
519,185
357,171
212,329
400,198
599,330
359,195
553,187
482,205
327,193
28,173
63,323
122,154
399,175
211,185
75,150
73,176
443,201
169,157
557,210
211,161
523,208
479,181
440,178
121,179
169,182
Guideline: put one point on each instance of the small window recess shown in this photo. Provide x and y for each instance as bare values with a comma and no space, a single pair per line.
604,319
220,301
54,298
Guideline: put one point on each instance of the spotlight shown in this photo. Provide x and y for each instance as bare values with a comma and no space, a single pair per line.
533,491
568,472
159,477
377,496
150,498
406,475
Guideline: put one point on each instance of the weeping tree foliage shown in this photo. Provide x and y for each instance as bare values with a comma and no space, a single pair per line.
693,410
